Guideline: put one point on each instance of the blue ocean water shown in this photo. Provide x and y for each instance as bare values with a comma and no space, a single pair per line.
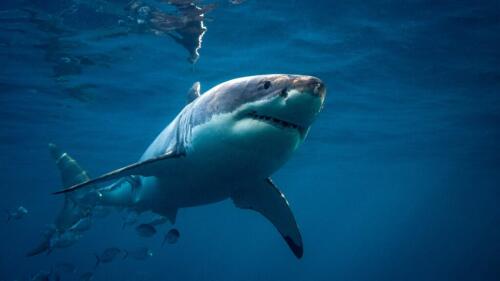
397,180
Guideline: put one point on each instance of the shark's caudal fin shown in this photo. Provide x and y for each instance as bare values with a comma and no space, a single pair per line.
71,173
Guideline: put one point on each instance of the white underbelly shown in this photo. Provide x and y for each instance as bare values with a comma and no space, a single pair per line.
221,158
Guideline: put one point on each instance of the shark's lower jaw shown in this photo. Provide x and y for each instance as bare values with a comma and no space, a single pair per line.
282,124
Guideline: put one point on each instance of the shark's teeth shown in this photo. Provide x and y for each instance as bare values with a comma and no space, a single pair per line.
273,120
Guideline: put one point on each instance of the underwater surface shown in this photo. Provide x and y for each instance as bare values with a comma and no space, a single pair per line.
398,178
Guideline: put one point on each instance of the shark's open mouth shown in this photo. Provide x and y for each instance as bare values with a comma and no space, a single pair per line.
275,121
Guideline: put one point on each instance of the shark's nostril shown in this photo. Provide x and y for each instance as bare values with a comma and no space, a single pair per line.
319,89
311,85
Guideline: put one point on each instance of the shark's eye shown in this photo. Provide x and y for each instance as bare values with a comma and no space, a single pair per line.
267,84
284,93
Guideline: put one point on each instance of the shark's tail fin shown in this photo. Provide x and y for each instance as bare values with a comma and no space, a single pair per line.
72,211
71,172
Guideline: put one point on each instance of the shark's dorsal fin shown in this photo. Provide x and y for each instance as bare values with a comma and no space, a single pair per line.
265,198
194,92
143,168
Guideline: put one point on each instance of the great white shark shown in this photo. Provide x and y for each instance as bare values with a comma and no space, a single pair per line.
224,144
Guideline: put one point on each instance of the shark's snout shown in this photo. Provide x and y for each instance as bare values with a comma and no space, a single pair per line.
292,104
310,85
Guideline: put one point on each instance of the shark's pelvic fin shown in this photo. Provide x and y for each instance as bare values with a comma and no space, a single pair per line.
194,92
268,200
144,168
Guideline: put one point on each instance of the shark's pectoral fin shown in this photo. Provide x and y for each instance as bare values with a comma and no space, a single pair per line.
266,199
143,168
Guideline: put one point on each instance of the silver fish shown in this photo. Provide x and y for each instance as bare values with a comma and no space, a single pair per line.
158,220
107,255
145,230
172,236
17,214
65,267
87,276
141,253
41,276
130,219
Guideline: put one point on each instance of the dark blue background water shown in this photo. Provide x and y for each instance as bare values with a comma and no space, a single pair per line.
398,180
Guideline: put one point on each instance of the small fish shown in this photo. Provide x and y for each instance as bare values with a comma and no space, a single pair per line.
90,198
158,220
130,219
54,275
171,237
65,267
63,239
236,2
46,276
107,255
141,253
41,276
82,225
17,214
87,276
145,230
